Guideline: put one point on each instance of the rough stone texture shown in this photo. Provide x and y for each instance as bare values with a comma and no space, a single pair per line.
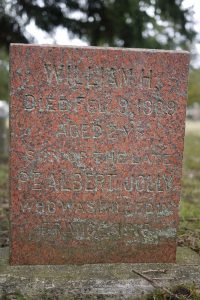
96,281
96,154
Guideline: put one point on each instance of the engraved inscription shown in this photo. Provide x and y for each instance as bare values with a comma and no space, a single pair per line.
91,77
91,230
146,208
104,105
147,78
79,159
67,181
156,107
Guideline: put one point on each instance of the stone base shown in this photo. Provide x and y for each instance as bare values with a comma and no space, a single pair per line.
96,281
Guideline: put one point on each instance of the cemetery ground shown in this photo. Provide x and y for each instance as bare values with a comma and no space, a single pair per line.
189,226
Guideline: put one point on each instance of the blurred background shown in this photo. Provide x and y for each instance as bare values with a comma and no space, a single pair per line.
161,24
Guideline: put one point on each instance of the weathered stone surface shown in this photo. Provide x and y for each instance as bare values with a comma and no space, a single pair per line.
96,281
96,154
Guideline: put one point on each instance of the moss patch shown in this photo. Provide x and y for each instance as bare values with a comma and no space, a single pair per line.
180,292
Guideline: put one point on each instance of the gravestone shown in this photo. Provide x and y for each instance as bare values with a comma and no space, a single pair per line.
97,140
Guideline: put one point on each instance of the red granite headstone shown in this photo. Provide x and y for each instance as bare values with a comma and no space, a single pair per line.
96,153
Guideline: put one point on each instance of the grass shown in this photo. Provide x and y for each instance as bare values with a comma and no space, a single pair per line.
4,202
189,228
